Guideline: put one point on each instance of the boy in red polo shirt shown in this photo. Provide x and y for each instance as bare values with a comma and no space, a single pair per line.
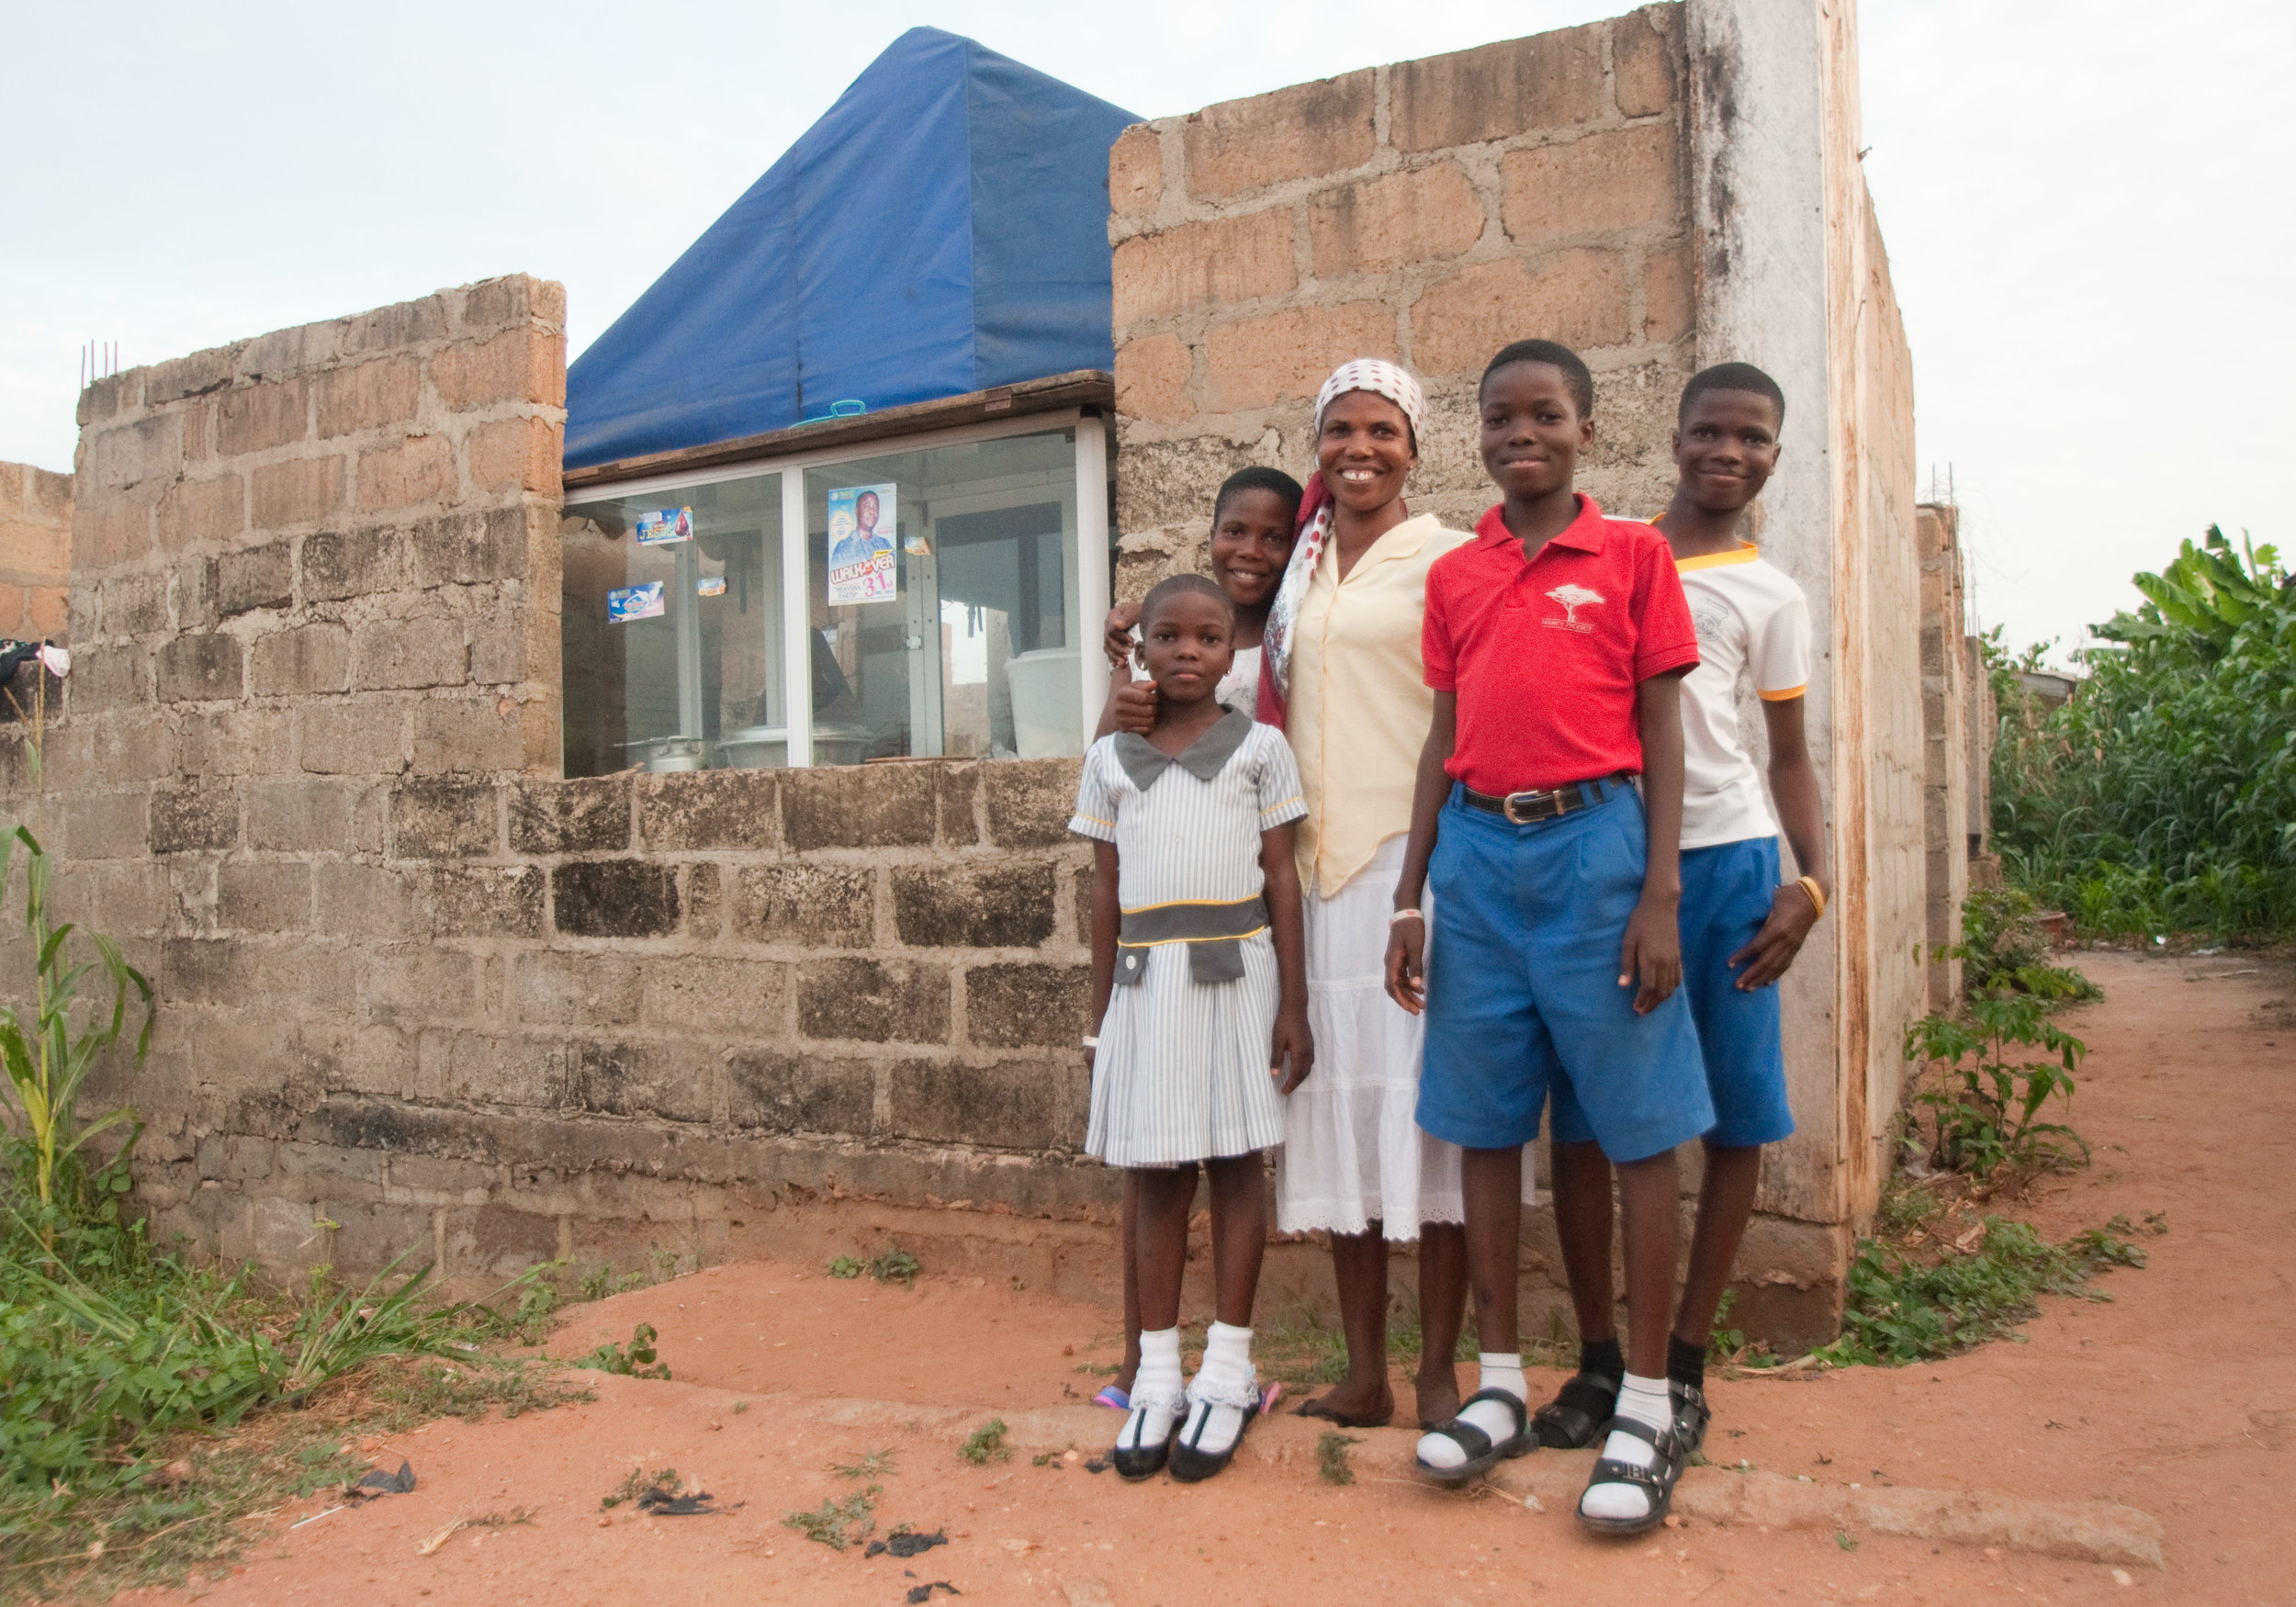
1555,643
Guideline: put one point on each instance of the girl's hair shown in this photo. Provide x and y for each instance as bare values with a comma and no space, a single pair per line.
1171,587
1575,378
1258,478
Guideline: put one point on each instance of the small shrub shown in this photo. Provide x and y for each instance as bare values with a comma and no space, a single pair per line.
845,1267
636,1485
1984,1105
635,1361
896,1266
1331,1457
877,1463
839,1524
987,1444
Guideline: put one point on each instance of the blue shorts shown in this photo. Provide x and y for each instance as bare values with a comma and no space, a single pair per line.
1523,991
1726,891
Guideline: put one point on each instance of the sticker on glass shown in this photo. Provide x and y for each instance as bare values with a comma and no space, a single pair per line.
710,586
624,603
665,525
863,562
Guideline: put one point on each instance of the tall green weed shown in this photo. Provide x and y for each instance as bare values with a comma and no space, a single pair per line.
2162,797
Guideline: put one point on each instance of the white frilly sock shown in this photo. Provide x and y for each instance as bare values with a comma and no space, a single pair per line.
1157,1396
1225,1389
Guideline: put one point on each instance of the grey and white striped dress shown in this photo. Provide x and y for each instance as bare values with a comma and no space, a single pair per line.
1182,1071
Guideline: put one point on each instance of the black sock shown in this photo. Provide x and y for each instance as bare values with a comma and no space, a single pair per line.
1602,1358
1686,1363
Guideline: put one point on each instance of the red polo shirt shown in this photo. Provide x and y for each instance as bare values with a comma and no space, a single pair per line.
1545,656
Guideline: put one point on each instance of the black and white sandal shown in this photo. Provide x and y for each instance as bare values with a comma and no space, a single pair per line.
1579,1414
1191,1464
1691,1417
1483,1453
1141,1452
1656,1482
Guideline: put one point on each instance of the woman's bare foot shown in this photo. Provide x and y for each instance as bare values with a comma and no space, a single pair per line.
1438,1392
1354,1403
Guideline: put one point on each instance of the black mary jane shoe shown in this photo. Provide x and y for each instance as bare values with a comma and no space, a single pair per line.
1656,1482
1191,1464
1483,1453
1691,1415
1142,1461
1579,1413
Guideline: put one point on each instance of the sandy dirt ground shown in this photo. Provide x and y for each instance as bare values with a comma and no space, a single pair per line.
2178,1397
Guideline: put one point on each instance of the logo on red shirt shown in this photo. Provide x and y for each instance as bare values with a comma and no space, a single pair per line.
1572,598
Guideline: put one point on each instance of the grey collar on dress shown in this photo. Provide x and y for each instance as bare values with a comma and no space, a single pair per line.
1202,758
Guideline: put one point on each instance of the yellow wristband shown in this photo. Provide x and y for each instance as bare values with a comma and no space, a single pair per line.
1816,895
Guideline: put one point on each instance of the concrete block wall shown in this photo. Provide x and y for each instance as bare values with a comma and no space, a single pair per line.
1946,716
35,552
1428,212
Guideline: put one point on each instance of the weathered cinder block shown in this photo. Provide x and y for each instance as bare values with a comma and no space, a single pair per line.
1012,1105
443,820
364,901
1548,80
873,1000
133,605
1029,800
1013,1007
199,668
370,1234
469,735
710,809
466,548
860,806
487,901
298,817
614,898
725,997
560,989
254,417
827,905
263,895
358,563
783,1093
194,816
429,651
302,661
500,1240
985,907
570,817
354,739
236,741
109,678
261,576
412,983
106,826
491,1069
669,1080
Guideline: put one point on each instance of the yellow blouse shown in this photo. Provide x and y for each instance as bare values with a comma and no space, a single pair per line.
1358,705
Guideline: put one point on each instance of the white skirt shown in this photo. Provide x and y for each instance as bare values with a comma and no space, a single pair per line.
1353,1151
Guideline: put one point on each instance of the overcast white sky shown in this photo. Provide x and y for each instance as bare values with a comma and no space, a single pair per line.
2086,201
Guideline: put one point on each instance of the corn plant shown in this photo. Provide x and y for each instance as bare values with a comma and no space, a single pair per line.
48,1055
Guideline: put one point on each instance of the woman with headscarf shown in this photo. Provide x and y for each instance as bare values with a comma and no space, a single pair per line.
1342,675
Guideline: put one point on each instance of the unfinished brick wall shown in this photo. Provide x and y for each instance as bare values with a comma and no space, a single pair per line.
1946,716
1427,212
35,551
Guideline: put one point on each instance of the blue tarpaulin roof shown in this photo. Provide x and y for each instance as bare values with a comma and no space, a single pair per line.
941,229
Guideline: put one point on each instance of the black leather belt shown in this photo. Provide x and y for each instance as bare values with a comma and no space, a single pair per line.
1527,808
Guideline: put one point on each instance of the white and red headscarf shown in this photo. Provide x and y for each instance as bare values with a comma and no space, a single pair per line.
1381,378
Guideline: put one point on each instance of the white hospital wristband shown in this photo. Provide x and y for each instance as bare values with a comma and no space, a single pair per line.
1402,914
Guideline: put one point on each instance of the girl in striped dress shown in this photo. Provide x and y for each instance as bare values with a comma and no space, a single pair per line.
1200,988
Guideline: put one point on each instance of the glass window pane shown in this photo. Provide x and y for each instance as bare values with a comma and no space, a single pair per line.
944,601
672,629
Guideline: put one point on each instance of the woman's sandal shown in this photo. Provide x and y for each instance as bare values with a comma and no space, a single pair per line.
1579,1413
1110,1396
1656,1482
1483,1453
1140,1461
1691,1417
1190,1463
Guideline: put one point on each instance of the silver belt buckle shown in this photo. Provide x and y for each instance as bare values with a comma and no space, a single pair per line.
1506,807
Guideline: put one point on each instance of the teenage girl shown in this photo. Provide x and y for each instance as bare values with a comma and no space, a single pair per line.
1199,989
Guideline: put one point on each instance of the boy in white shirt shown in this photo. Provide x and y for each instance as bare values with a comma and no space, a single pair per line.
1740,928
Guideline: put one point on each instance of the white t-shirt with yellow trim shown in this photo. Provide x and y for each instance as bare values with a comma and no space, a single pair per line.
1751,620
